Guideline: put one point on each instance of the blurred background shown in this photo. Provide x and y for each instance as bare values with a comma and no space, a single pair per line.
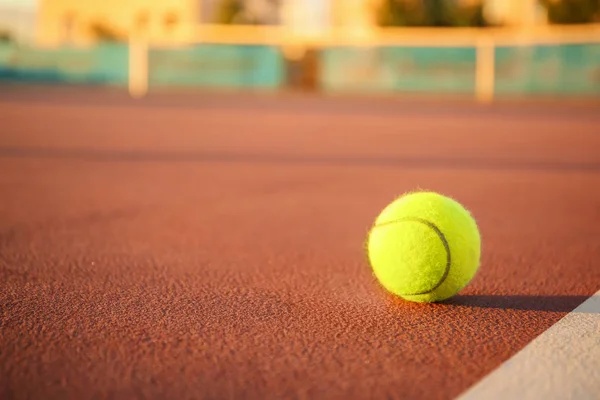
481,48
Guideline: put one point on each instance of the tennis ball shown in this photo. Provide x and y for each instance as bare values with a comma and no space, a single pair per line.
424,247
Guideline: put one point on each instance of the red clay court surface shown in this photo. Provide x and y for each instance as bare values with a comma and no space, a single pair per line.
211,246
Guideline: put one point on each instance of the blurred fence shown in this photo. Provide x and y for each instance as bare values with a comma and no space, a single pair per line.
485,63
398,69
548,69
561,69
216,65
102,64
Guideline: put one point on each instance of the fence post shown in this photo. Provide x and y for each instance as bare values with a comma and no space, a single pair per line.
485,73
138,67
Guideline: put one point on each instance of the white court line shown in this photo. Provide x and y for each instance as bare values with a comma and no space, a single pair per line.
563,363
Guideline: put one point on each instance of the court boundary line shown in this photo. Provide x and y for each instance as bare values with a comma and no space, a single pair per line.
561,363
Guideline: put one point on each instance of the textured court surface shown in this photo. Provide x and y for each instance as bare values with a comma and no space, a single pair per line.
211,246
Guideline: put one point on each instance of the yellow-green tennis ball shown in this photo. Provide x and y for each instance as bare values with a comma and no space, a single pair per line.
424,247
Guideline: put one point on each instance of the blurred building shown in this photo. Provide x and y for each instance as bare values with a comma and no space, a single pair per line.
353,13
171,21
168,21
515,12
17,22
86,21
306,17
264,12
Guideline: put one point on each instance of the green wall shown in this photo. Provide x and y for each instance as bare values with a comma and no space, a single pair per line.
572,69
543,69
223,66
550,69
105,64
398,69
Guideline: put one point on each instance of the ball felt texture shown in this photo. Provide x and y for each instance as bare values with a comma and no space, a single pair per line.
424,247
